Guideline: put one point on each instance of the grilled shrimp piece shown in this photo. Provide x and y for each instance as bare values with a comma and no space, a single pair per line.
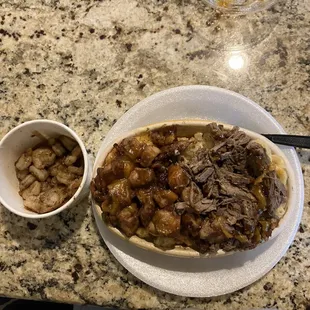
75,154
24,160
76,170
43,157
33,190
46,201
67,142
40,174
54,197
21,174
57,147
65,177
72,188
26,182
34,204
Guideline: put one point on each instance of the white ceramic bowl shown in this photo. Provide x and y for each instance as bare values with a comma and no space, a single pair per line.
193,126
13,144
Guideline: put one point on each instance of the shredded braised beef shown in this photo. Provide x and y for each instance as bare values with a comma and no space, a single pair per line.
148,186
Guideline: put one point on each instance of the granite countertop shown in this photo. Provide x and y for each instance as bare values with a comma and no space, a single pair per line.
84,63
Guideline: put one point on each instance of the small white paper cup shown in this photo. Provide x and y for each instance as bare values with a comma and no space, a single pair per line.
13,144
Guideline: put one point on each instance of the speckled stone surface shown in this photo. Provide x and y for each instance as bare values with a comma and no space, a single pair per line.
84,63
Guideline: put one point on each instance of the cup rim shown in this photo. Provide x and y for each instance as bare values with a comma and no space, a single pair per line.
240,10
84,179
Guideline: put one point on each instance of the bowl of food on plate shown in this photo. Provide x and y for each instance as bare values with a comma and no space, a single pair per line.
44,169
193,187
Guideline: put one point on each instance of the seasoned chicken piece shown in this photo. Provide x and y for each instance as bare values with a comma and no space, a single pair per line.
165,197
110,219
21,174
117,169
185,240
148,155
172,150
164,136
146,213
122,168
40,174
121,192
99,183
131,147
148,208
68,143
177,178
105,176
96,194
33,190
128,220
166,223
141,176
145,196
24,161
76,170
128,167
43,157
113,154
26,182
161,173
144,138
106,204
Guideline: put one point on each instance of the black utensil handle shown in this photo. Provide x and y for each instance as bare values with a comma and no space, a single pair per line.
291,140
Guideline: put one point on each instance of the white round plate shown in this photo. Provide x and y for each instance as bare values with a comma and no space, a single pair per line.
203,277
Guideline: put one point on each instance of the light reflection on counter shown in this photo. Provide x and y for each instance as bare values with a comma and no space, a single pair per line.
237,60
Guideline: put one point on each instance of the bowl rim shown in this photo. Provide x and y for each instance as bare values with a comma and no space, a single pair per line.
180,251
34,215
